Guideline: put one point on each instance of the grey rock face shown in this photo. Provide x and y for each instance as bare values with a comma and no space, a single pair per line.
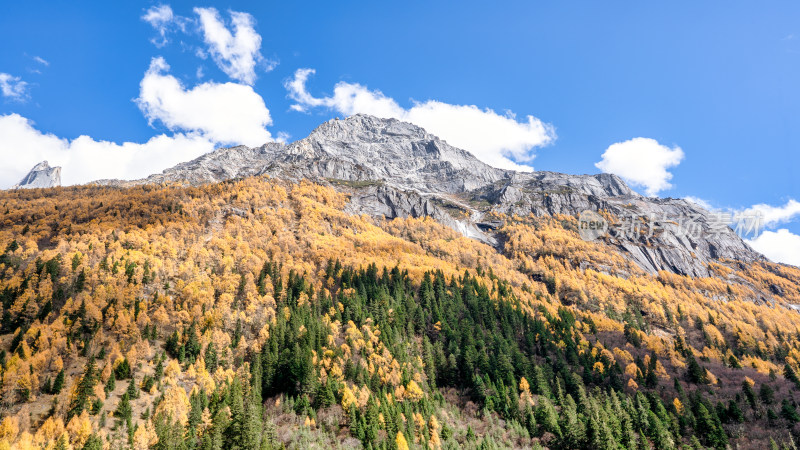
41,176
219,165
672,234
396,169
365,148
391,202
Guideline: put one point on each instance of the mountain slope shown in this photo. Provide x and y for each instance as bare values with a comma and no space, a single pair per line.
396,169
257,312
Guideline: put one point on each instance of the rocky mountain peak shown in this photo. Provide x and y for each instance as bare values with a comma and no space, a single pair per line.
400,154
368,128
384,139
392,168
40,176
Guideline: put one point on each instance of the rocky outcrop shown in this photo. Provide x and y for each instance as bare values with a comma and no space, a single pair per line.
395,169
390,202
658,234
41,176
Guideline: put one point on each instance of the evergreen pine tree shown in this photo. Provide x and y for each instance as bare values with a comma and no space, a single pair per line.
256,381
84,390
790,374
766,394
651,379
696,373
47,387
252,426
58,384
235,401
547,417
734,413
62,443
749,394
111,383
133,389
211,358
124,410
93,442
123,370
789,412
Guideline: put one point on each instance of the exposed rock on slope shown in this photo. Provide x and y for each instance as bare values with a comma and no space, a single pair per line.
365,148
41,176
672,234
219,165
396,169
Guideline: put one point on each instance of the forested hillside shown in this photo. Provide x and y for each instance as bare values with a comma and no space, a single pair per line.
257,314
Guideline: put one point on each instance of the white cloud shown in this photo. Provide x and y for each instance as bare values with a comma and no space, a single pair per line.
493,138
227,113
85,159
752,221
41,61
298,92
162,19
13,87
779,246
642,162
202,117
775,215
238,53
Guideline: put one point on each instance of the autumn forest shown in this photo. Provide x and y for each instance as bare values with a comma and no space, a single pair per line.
257,314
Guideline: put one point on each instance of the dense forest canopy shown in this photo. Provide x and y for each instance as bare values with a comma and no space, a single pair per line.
257,314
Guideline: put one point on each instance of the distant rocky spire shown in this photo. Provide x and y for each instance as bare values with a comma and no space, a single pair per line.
41,176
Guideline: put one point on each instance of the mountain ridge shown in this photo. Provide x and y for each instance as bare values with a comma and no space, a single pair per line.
393,168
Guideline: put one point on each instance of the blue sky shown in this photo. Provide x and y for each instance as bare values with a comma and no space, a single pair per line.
711,87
